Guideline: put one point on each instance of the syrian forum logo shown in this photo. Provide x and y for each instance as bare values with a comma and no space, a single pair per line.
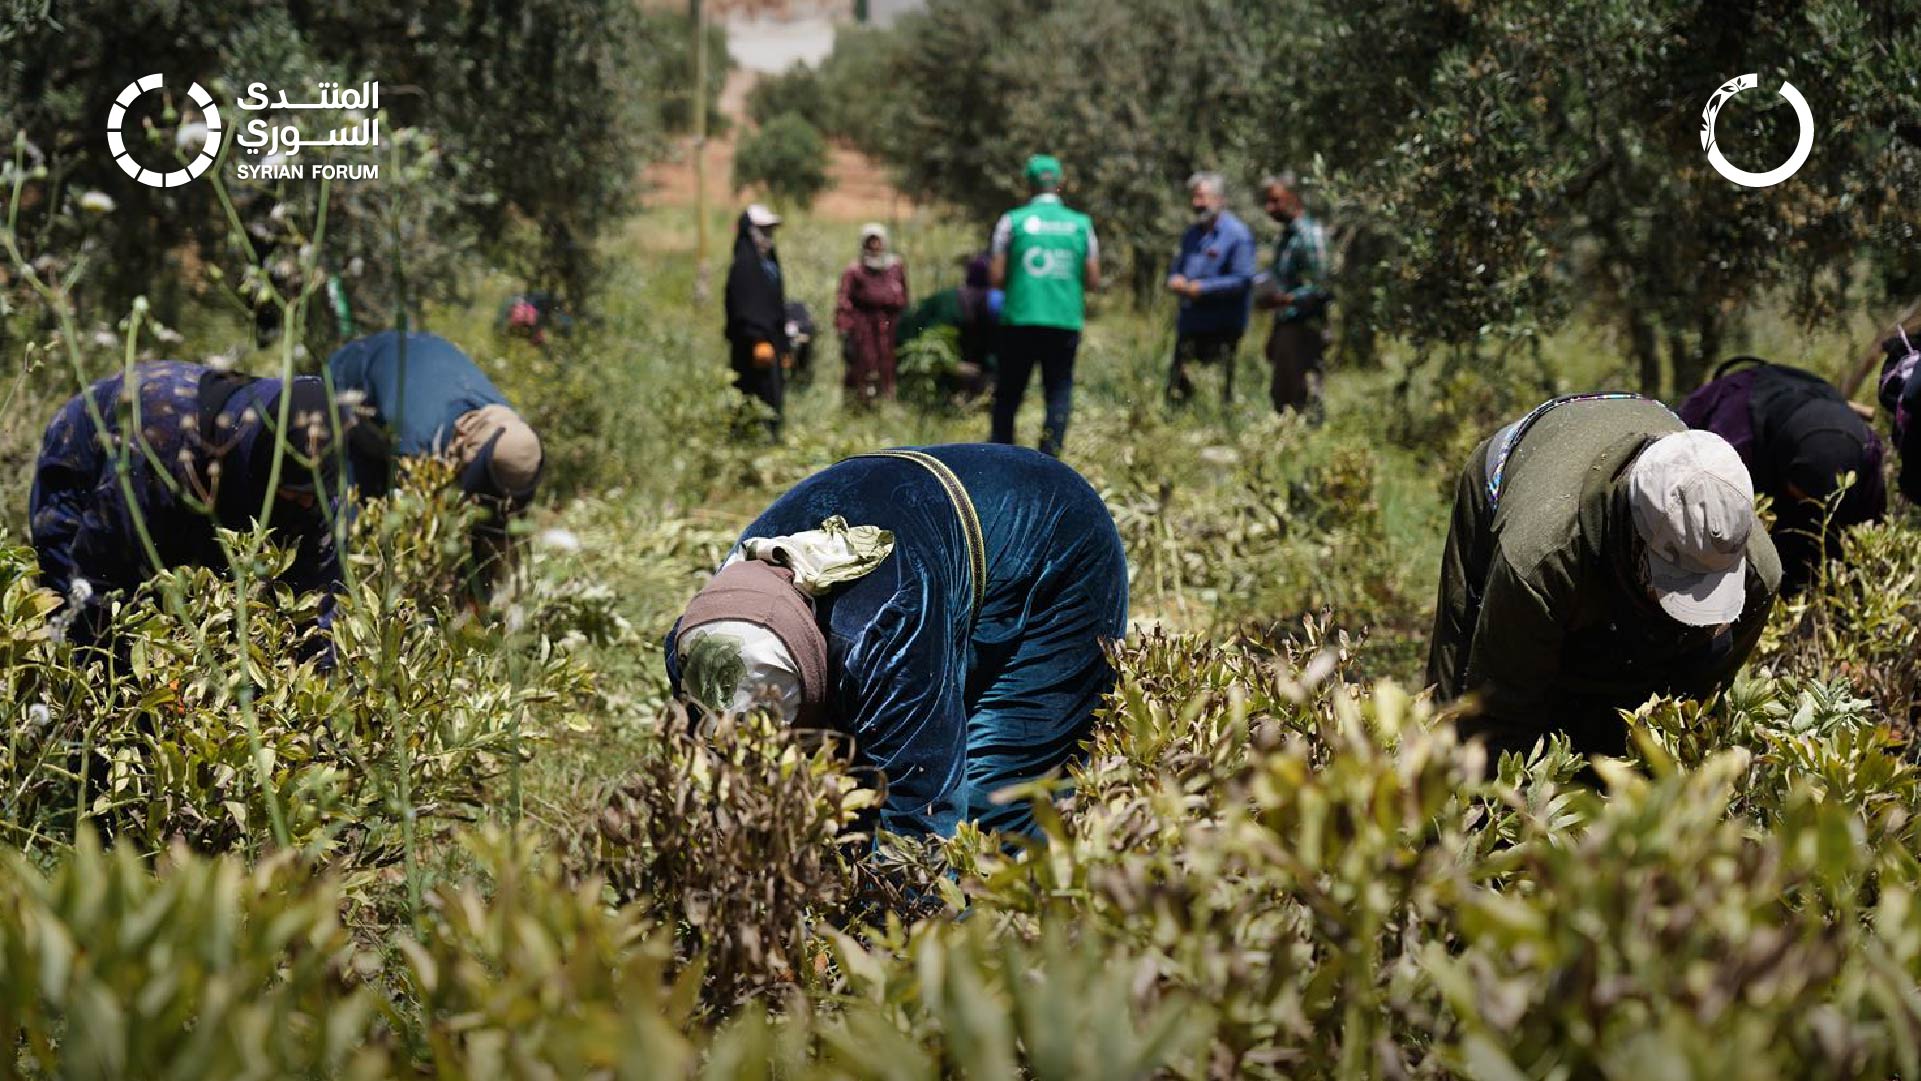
117,142
280,143
1741,176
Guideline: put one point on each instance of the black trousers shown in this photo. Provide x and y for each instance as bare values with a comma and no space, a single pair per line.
1022,349
1294,351
1213,347
769,384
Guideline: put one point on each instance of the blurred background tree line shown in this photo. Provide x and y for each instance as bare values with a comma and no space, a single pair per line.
513,133
1491,170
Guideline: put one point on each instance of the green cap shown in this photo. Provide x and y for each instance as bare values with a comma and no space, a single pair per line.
1043,169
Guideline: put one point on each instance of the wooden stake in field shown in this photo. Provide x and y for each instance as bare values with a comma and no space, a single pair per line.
700,149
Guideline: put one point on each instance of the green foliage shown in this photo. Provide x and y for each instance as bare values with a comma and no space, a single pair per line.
540,978
928,367
1513,164
968,1002
842,97
798,90
593,86
786,157
666,53
1328,870
1269,864
739,834
1133,97
1862,620
201,968
173,732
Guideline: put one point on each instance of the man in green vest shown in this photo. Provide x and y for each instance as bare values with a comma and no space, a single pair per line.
1046,258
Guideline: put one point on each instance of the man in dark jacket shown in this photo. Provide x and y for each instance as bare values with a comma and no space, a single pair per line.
1600,554
1798,436
757,311
205,458
425,397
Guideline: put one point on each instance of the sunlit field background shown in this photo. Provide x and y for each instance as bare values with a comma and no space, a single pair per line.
488,844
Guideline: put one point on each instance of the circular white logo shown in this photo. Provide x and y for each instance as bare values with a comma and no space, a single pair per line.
118,144
1047,263
1742,176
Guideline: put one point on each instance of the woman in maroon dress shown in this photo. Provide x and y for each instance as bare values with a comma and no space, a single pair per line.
873,292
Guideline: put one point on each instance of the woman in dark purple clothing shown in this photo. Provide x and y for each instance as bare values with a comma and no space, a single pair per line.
1798,436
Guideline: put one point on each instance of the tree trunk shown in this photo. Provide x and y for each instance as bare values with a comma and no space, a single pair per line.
1711,326
1647,356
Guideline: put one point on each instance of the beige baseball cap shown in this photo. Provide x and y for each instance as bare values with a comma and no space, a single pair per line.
495,440
1693,506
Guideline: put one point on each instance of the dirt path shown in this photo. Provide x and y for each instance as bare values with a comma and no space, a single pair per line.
858,188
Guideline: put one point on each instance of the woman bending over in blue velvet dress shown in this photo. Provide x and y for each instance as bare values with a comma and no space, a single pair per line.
946,607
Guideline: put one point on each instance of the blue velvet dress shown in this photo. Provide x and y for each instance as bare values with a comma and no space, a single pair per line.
951,706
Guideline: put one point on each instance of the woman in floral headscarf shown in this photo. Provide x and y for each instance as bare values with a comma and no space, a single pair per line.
873,292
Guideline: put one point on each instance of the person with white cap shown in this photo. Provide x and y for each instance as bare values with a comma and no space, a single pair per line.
948,608
756,302
1600,553
425,397
872,294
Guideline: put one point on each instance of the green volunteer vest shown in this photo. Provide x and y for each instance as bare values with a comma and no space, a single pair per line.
1046,266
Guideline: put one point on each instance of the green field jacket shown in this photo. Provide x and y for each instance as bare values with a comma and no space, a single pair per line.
1541,616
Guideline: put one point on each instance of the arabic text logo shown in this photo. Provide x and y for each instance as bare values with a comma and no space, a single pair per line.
117,143
1741,176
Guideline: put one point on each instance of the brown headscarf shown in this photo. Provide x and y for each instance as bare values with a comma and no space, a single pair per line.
763,594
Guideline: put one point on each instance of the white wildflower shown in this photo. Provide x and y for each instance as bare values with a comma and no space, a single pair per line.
78,594
96,202
190,136
1319,667
167,335
1220,455
105,339
38,715
219,362
560,539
